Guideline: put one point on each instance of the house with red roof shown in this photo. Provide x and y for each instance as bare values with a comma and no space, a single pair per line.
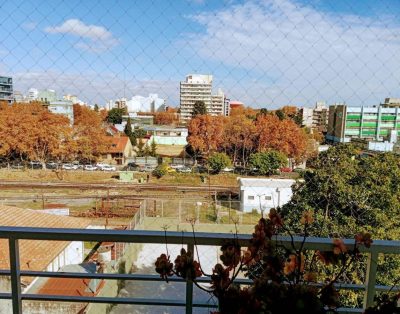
120,149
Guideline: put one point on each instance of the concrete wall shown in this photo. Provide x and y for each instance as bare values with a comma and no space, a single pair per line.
251,197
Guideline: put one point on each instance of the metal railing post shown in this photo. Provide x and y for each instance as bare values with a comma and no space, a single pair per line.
15,276
189,286
370,279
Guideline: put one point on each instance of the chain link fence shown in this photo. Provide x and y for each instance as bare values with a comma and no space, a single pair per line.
262,53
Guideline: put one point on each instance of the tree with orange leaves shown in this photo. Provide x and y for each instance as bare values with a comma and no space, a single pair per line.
206,133
239,136
166,118
244,111
281,135
30,131
89,133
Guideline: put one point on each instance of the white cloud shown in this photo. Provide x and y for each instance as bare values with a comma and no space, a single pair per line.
298,54
92,37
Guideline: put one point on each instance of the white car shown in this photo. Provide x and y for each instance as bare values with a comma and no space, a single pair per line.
227,169
69,167
108,168
90,168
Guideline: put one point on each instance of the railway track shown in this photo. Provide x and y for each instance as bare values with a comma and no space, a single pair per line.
117,186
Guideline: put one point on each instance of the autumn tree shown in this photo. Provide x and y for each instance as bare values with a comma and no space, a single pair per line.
239,135
205,133
39,135
199,108
249,112
89,133
165,118
281,135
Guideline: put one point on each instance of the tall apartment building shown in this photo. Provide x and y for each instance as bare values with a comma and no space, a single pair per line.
6,89
316,117
198,87
369,123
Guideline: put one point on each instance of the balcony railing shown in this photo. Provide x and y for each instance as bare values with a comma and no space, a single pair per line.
14,234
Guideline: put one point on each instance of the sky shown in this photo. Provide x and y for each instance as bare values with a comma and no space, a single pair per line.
265,53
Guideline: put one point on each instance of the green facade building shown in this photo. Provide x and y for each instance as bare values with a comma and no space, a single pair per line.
370,123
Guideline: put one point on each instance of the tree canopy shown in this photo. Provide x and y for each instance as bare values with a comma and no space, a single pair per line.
199,108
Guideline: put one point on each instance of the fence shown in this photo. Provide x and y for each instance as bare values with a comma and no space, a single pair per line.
14,234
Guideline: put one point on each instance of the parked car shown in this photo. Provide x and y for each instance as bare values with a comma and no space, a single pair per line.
184,170
108,168
51,165
35,165
200,169
69,167
17,165
285,169
148,168
227,169
90,168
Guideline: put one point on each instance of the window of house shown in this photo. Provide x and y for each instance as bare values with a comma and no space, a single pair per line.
268,197
250,197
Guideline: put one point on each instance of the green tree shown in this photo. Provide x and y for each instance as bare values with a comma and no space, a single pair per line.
199,108
96,107
147,150
128,127
268,162
280,114
115,115
219,161
153,148
161,170
140,147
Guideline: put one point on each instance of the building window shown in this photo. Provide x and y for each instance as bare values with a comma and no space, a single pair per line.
268,197
250,197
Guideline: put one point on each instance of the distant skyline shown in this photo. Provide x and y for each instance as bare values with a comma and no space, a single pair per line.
265,53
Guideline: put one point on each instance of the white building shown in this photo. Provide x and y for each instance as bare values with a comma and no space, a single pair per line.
198,87
33,94
138,103
63,107
264,194
307,117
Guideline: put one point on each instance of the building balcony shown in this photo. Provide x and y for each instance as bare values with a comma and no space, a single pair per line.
188,302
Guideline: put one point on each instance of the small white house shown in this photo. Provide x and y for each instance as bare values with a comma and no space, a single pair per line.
264,194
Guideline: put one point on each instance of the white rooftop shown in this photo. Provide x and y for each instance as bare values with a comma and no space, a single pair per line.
272,183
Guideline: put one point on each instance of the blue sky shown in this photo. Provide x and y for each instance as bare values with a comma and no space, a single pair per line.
267,53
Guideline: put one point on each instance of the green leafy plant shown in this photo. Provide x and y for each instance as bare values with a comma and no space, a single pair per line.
286,279
268,162
218,161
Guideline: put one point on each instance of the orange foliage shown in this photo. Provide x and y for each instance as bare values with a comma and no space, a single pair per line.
166,118
89,133
243,111
284,136
206,133
239,136
31,131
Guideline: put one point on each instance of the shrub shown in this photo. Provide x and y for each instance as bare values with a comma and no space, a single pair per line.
268,162
219,161
160,171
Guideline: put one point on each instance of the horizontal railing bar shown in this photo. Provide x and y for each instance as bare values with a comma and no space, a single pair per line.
5,296
155,302
112,300
202,238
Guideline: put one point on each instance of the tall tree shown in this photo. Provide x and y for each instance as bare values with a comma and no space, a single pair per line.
199,108
96,107
205,133
32,132
281,135
128,127
153,148
89,133
114,116
268,162
239,137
